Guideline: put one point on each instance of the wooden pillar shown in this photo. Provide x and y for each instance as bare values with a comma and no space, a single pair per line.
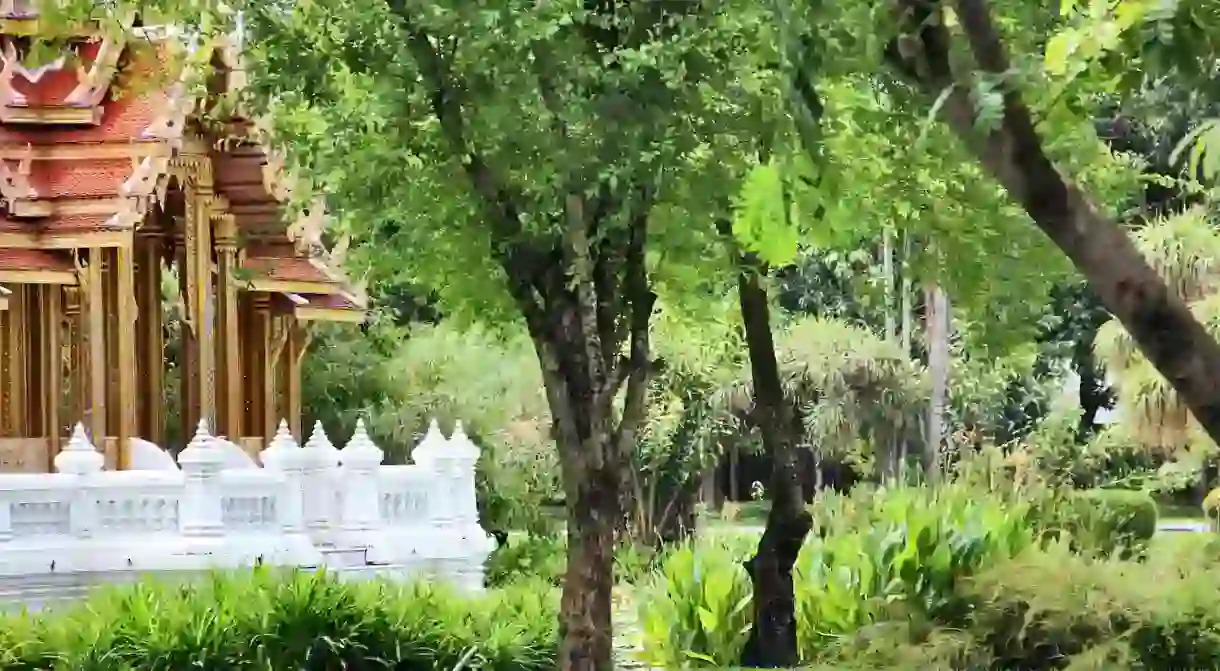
229,374
251,365
125,318
32,364
271,348
6,367
199,338
15,349
52,360
188,404
78,375
295,344
150,342
110,296
95,308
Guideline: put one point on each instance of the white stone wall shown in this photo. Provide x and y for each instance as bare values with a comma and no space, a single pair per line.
311,506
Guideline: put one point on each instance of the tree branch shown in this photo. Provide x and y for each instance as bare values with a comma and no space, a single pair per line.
524,267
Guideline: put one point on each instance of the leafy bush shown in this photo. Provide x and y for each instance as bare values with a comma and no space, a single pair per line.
879,552
905,549
1053,609
267,619
1112,520
532,557
544,558
697,610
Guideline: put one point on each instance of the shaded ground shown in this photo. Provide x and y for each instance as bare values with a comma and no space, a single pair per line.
626,630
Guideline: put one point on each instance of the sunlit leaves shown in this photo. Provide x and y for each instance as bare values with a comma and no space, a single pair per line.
762,222
1201,148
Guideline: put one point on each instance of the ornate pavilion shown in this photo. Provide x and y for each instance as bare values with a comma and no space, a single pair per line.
105,197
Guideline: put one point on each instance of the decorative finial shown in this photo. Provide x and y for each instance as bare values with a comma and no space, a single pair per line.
361,450
79,442
283,435
319,445
282,444
201,431
318,438
432,446
79,456
460,445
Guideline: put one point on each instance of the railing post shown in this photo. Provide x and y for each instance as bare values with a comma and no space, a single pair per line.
430,454
202,497
78,458
476,543
360,460
287,457
321,461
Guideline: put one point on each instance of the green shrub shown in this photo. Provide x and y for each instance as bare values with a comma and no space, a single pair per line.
1112,520
530,557
902,549
879,553
697,609
1054,609
267,619
545,558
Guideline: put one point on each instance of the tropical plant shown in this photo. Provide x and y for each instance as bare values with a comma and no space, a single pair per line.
697,610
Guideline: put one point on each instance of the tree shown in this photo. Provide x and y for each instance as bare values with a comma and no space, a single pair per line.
535,163
985,107
543,164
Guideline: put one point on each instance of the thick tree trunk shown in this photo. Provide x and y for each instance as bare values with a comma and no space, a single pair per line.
1159,322
592,439
586,633
772,642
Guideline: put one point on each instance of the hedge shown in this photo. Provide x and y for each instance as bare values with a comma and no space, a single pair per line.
268,619
1109,520
1053,609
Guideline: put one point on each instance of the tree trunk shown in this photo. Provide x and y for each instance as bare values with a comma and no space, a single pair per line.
586,634
592,442
772,642
936,321
1157,319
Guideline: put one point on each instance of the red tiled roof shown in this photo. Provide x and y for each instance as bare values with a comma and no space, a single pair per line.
293,269
58,224
329,302
34,259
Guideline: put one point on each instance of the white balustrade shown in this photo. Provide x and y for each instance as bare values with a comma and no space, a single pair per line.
308,506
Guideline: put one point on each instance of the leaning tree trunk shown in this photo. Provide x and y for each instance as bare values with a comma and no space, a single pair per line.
772,642
1157,319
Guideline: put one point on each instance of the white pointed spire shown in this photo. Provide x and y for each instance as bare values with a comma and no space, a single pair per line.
202,450
321,447
79,456
360,450
283,446
432,446
460,445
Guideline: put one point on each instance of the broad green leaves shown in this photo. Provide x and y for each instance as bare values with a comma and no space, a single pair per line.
762,222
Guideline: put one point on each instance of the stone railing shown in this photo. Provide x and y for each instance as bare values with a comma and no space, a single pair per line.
307,506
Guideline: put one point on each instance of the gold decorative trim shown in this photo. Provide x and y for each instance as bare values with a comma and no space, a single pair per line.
93,83
15,183
66,240
38,276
